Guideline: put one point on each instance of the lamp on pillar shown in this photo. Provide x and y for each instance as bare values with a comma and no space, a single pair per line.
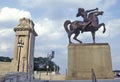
20,45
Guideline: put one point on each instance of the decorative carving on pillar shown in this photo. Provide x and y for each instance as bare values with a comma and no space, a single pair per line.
25,25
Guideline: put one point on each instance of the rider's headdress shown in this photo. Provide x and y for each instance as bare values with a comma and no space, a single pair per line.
80,9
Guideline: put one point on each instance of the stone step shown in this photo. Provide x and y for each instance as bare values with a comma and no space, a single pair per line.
101,80
1,77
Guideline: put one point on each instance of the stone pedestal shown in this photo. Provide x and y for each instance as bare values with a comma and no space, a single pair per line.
84,57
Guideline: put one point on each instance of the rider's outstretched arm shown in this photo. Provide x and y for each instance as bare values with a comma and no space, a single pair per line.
91,10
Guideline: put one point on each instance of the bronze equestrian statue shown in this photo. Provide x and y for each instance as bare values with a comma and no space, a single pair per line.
90,23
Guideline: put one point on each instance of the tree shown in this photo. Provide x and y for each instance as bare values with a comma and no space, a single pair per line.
41,63
5,59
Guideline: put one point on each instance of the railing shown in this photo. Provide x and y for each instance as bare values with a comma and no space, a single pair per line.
15,77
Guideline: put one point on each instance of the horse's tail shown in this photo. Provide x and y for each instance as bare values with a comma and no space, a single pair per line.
66,23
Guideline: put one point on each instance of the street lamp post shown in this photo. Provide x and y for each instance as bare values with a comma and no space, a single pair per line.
47,69
49,57
20,45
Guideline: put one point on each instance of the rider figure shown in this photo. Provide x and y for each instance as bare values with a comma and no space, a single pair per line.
84,13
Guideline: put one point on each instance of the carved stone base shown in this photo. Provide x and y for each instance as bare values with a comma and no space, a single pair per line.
84,57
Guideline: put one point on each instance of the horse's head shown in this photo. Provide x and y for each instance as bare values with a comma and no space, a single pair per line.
98,13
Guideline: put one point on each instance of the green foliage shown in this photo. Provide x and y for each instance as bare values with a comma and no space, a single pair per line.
5,59
41,63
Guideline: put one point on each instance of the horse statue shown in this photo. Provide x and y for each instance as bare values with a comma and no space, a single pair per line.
76,26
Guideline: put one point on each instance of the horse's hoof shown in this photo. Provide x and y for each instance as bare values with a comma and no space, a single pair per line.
70,43
81,31
103,31
80,42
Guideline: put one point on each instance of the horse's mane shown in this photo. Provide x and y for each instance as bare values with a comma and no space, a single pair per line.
91,14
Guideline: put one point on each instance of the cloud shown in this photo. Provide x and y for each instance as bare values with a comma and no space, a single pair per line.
61,9
67,3
116,58
112,27
116,62
6,32
47,28
4,47
6,40
108,3
12,14
44,26
54,2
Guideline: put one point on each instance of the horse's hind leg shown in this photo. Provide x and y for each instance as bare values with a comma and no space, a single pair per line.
93,36
76,35
69,37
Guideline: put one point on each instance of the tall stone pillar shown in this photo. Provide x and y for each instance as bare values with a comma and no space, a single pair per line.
24,46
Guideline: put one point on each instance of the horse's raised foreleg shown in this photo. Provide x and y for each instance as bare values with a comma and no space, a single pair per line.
76,35
102,24
93,36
